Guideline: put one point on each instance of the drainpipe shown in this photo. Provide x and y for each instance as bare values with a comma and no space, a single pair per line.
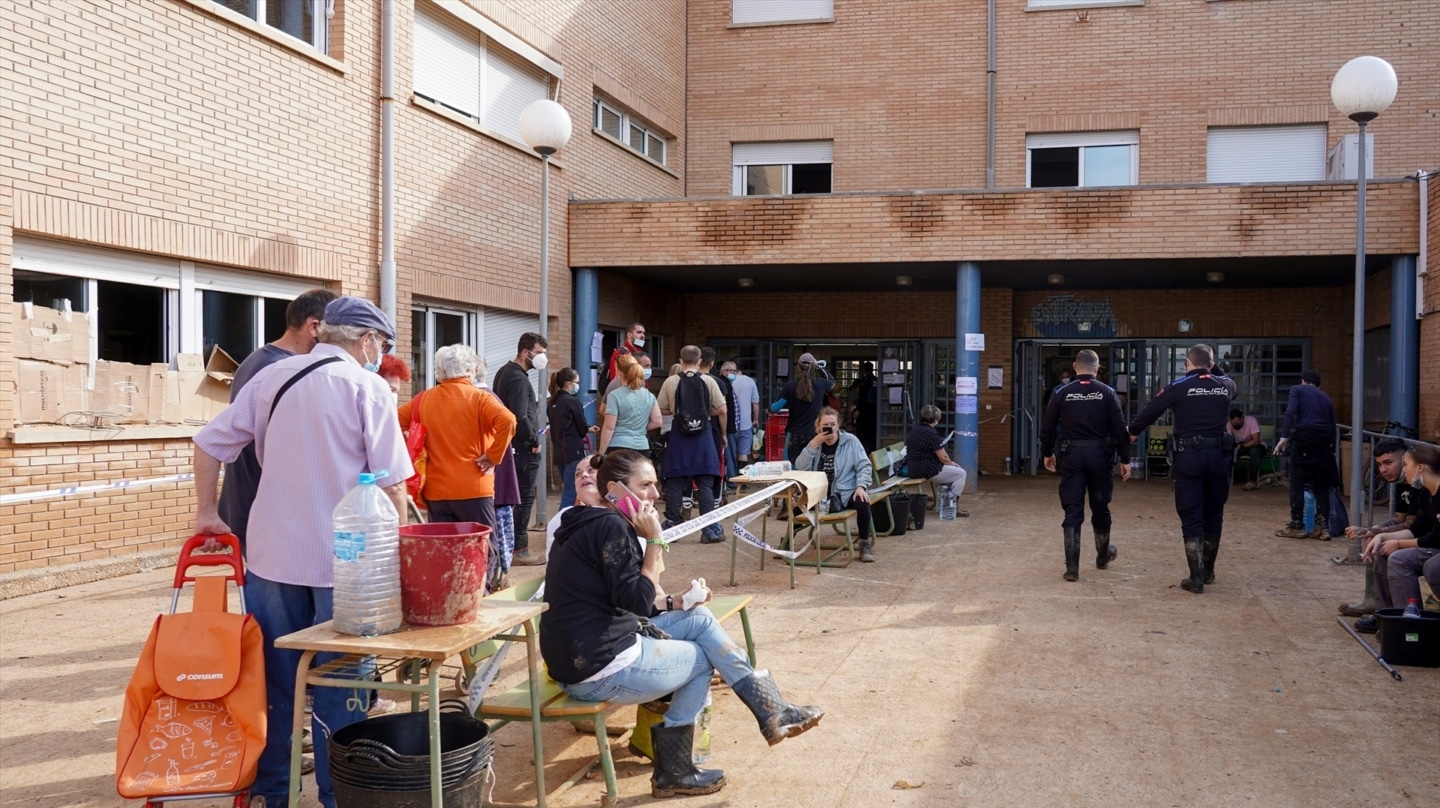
1422,265
990,94
387,160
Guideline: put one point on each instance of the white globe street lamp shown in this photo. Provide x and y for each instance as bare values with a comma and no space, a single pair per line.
1361,90
545,127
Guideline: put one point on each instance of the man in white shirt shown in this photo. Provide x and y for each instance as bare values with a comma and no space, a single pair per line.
1246,432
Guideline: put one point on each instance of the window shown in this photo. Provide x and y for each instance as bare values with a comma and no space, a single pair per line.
141,314
1265,154
750,12
493,333
1082,160
767,169
306,20
628,130
1041,5
463,69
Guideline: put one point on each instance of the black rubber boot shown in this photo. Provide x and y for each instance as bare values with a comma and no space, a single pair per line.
675,774
1208,549
1105,552
778,718
867,550
1072,553
1196,582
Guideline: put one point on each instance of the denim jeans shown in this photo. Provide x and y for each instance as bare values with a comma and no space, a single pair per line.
567,492
680,665
1403,570
282,609
737,445
677,488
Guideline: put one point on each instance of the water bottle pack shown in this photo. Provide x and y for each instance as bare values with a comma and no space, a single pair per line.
949,503
367,561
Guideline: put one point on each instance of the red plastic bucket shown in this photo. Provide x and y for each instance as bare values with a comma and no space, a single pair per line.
442,572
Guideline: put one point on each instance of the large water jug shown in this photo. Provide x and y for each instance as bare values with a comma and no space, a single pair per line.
949,502
367,561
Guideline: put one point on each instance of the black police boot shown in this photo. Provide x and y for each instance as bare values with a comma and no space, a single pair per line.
1208,548
1196,582
1072,553
675,773
778,718
1105,552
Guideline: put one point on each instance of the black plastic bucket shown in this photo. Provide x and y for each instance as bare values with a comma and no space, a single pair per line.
918,503
896,505
1410,640
384,762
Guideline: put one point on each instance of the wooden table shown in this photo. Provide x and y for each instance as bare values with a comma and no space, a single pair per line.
409,647
790,495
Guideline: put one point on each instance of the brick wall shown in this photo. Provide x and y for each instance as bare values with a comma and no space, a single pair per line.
164,127
913,115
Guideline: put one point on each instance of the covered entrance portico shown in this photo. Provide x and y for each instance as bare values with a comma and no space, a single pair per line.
1034,275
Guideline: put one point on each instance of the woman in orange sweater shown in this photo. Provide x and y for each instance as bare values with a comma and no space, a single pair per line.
467,432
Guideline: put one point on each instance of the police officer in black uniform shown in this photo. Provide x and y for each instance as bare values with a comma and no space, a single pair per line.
1201,465
1094,431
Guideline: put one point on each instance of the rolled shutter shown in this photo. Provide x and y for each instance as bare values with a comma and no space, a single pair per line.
447,60
1266,154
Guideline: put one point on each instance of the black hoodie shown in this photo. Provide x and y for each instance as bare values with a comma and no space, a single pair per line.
595,592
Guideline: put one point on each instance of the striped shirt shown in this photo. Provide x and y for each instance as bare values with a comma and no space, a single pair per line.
331,426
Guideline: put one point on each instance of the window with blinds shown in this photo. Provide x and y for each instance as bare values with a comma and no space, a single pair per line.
793,167
754,12
458,67
1265,153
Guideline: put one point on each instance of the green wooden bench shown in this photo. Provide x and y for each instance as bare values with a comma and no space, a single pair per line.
887,461
556,704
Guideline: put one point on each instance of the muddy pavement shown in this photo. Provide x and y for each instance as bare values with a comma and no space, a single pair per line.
958,670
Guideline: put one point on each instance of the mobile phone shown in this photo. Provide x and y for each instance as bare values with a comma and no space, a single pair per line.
829,430
624,501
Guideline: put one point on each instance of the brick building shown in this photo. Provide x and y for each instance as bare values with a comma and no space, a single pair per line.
172,171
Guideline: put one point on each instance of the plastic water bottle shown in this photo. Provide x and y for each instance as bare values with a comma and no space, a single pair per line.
1309,511
701,754
947,503
1411,610
1007,467
367,561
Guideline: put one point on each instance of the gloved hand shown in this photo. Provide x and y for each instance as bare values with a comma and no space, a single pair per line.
649,629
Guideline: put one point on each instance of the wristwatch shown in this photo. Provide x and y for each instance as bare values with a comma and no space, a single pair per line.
669,603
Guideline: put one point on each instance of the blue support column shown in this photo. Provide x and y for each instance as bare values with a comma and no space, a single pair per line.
1404,343
587,322
967,321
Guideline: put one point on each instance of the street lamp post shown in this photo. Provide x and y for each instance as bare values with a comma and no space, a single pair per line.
545,127
1361,90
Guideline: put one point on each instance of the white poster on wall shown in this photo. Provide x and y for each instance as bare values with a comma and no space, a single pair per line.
974,342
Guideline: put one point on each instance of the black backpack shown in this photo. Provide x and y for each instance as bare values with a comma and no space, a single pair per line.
692,404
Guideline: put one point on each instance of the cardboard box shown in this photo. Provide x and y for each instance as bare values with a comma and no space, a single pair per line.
196,392
47,335
128,394
48,392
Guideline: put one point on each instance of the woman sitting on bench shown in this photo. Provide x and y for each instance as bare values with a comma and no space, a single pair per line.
613,634
925,455
842,457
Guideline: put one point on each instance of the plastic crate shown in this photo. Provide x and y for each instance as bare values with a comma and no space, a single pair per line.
775,435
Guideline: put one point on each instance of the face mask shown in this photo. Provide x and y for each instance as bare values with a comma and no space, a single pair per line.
539,361
572,389
1419,479
373,367
731,376
647,373
638,342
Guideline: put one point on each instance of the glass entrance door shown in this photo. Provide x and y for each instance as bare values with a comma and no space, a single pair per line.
1030,385
898,370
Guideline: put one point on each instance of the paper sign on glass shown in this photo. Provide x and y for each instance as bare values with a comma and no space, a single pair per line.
896,395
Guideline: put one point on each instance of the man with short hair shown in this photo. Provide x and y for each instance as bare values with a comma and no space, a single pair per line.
747,414
1086,457
1412,512
1310,422
512,385
242,478
1201,401
1246,432
721,426
633,341
317,422
691,459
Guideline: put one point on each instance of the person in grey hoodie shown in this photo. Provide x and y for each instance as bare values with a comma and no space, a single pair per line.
846,465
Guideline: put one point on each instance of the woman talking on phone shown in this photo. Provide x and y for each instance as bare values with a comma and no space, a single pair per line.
612,633
841,456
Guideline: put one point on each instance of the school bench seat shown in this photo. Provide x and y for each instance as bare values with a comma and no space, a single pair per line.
889,458
557,705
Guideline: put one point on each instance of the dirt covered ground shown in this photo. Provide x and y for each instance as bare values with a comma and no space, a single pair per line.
958,670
